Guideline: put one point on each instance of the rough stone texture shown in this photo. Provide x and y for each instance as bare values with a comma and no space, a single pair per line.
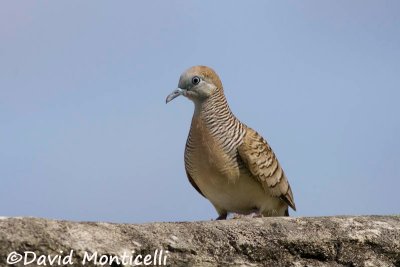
320,241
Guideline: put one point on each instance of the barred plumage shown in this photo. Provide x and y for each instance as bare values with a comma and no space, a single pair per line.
226,161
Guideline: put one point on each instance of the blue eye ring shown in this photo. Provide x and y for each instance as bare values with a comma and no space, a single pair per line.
196,80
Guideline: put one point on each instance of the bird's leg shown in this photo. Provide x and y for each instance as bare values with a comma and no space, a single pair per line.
256,215
287,212
222,216
221,212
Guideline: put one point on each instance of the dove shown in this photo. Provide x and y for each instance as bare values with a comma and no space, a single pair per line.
226,161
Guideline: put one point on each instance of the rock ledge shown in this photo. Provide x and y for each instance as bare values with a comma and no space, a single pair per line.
318,241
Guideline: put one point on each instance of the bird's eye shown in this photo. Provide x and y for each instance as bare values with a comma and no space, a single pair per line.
195,80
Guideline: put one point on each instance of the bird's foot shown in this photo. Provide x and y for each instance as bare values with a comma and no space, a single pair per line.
251,215
222,217
256,215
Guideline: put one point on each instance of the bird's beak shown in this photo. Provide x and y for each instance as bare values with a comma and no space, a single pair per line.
174,94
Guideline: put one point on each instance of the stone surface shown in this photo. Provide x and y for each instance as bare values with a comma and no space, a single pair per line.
319,241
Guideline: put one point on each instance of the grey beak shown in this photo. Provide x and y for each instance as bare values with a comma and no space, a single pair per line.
174,95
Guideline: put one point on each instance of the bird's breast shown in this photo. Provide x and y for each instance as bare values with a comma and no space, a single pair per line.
206,156
223,180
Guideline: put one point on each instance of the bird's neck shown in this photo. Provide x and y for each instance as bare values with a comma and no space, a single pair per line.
214,111
216,119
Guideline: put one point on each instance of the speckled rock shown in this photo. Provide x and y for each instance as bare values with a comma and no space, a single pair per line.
319,241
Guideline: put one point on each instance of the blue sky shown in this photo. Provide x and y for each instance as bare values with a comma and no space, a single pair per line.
86,135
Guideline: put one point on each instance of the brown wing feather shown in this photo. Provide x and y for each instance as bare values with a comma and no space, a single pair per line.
264,166
194,184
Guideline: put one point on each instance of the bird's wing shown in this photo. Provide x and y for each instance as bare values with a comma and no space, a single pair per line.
193,183
262,163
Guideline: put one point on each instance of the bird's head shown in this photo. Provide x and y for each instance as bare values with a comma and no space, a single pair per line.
197,83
